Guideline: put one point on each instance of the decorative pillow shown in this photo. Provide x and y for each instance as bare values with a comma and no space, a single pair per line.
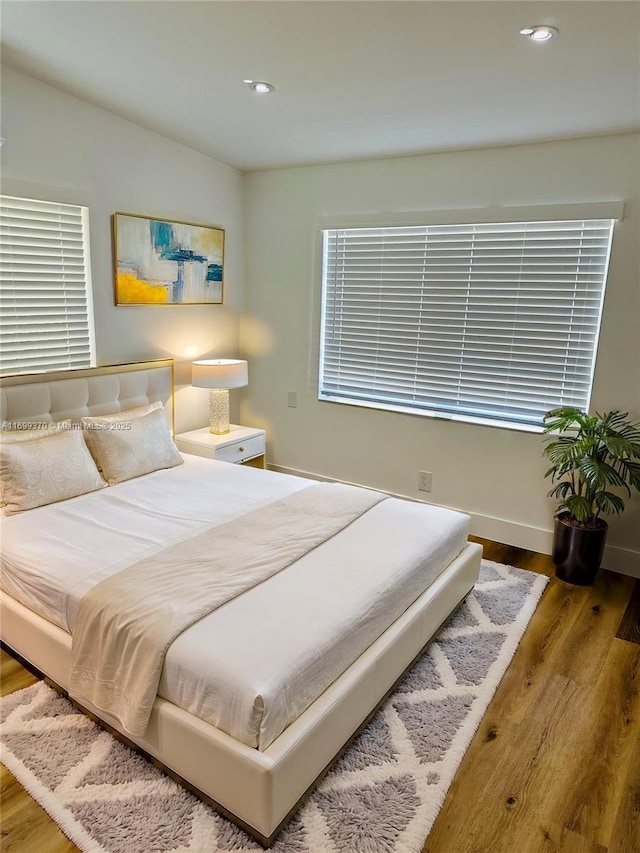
126,447
91,425
46,470
15,433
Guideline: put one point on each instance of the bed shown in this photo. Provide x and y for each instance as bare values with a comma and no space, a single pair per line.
256,699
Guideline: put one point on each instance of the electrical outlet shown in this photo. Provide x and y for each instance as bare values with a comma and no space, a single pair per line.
424,481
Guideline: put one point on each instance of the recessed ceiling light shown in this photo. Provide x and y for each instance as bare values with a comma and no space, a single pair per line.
540,32
259,86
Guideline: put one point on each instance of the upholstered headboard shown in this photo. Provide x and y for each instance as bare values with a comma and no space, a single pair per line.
89,391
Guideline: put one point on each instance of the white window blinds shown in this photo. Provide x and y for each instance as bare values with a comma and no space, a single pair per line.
492,321
45,314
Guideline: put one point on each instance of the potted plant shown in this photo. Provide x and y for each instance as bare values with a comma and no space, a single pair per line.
593,458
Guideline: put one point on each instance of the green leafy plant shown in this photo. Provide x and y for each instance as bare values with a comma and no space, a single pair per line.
590,456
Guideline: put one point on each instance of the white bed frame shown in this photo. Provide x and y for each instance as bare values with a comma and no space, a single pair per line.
258,790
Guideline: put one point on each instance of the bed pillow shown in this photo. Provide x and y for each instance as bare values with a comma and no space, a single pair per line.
125,447
13,433
46,470
102,422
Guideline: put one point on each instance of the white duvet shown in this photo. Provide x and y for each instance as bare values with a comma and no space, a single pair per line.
251,667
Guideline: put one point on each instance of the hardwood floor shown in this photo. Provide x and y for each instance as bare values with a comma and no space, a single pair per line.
555,764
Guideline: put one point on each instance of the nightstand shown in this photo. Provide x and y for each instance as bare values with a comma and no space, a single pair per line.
242,445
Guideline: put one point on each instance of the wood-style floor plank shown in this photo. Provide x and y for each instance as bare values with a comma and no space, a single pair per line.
630,625
605,756
555,764
626,830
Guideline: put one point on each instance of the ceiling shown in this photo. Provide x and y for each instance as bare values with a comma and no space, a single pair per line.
353,79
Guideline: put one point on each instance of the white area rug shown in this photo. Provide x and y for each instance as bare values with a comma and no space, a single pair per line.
382,796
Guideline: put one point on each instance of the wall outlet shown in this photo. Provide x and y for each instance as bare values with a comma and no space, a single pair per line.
424,481
292,399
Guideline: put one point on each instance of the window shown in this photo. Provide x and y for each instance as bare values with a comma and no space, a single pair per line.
45,289
494,322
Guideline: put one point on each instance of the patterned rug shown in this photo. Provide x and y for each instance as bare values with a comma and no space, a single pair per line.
382,796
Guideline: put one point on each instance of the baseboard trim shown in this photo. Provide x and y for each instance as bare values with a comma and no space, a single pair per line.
616,559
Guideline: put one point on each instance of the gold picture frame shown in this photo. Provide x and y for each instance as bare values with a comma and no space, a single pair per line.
165,262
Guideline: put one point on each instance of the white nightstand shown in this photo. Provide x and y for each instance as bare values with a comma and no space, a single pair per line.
244,445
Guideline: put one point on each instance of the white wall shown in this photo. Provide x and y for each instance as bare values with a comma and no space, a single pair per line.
62,148
494,474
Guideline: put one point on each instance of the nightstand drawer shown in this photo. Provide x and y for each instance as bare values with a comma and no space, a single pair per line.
240,444
241,450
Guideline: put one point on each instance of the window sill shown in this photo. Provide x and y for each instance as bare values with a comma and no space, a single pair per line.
439,416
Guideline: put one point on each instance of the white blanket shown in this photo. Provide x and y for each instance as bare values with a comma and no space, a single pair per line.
127,622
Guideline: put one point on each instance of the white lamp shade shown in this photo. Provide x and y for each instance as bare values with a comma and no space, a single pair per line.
219,373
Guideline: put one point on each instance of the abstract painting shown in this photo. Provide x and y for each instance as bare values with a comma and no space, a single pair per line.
158,262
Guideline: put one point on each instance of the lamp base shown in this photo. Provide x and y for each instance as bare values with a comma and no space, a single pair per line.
219,411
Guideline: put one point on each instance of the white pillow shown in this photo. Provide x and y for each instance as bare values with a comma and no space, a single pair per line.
126,446
91,425
14,433
46,470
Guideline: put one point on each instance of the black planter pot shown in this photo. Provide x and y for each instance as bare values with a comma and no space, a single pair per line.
577,553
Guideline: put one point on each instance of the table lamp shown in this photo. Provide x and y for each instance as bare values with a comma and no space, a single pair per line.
219,375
